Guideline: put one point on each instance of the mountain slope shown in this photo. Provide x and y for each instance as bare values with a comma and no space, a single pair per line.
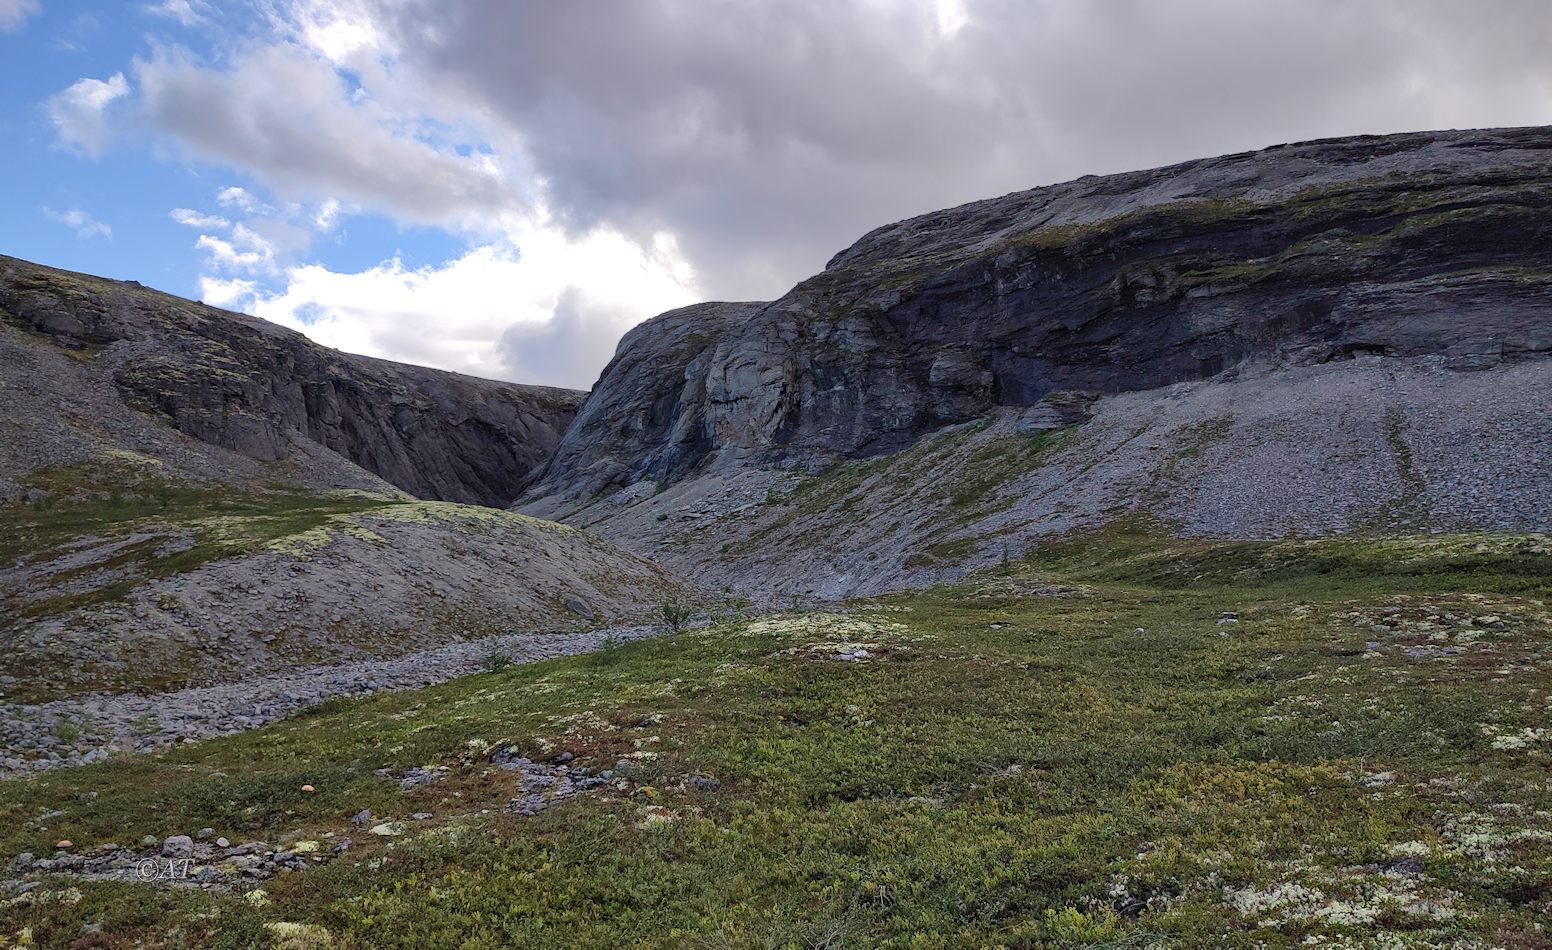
1325,337
99,371
209,587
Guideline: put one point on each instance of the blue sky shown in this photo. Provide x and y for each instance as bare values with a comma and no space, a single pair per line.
503,188
132,187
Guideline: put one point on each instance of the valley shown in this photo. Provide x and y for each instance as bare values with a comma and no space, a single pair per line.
1152,559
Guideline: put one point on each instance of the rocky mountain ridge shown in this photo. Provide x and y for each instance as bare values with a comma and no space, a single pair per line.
1400,246
85,349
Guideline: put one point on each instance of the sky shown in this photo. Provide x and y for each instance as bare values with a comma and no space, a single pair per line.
503,187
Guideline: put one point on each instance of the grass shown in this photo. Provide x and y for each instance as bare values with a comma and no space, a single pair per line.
1122,741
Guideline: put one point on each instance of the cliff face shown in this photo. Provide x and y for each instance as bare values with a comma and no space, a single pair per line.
1431,244
271,395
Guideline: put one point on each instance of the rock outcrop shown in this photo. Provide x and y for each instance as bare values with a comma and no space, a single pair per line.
1421,245
255,390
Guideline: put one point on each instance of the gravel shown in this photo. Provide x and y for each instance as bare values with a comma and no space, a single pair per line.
80,731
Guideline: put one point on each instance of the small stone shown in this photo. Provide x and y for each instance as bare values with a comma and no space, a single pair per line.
388,829
223,843
23,860
308,789
64,844
361,818
705,783
421,816
204,833
178,846
149,841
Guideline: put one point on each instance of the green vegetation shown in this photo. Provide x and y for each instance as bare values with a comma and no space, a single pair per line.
960,473
1121,741
496,661
675,612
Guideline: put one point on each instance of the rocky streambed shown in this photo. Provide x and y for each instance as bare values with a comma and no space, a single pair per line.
80,731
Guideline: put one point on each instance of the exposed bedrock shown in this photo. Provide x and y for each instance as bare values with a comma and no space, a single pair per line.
1429,244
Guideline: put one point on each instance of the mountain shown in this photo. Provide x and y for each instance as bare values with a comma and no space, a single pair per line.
1323,337
103,374
192,497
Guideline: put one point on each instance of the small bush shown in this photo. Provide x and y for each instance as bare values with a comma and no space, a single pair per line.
496,661
675,614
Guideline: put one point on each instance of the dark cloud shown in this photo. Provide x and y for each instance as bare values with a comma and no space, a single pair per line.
571,348
767,135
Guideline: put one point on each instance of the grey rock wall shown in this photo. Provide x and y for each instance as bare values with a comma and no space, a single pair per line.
245,385
1430,244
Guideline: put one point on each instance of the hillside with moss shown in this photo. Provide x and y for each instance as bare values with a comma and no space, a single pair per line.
182,586
1431,244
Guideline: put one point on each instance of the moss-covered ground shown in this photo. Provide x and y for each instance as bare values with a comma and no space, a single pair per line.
1122,741
111,543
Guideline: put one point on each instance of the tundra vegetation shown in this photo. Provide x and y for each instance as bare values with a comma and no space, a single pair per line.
1120,740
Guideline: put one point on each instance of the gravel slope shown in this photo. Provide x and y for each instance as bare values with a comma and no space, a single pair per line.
1372,445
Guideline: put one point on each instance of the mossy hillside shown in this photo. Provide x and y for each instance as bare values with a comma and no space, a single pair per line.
959,475
157,530
359,523
1122,741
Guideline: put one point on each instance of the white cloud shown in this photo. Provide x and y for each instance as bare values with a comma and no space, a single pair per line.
185,12
490,312
239,198
78,112
194,219
287,116
768,135
246,251
763,136
84,224
327,215
222,292
13,13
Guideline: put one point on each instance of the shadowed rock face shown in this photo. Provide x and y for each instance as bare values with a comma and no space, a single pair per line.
246,385
1401,246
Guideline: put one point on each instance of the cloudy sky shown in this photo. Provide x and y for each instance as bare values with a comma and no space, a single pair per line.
502,187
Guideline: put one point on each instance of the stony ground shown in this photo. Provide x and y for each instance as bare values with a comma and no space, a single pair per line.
1414,445
1124,740
80,731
